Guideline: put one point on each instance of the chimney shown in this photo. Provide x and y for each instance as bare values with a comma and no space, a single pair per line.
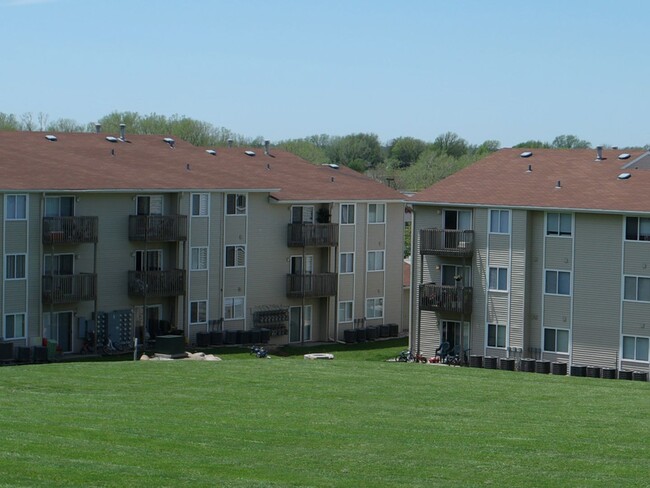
122,130
98,127
599,153
229,142
267,143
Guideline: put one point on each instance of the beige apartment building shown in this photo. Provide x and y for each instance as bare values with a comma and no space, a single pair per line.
136,236
540,254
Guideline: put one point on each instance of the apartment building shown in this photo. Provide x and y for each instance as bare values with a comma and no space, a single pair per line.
133,235
538,254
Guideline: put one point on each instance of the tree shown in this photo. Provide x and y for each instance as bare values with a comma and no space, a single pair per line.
488,147
533,144
9,122
452,144
305,149
570,142
406,150
358,148
65,125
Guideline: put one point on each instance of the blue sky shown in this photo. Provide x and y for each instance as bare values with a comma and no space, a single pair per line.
505,70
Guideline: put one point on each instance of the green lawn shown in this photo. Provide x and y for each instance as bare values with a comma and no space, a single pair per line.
356,421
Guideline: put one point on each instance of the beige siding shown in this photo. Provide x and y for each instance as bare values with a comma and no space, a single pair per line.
497,308
636,319
236,228
535,277
557,311
375,284
637,258
16,235
517,319
15,297
479,281
199,231
198,285
429,334
559,251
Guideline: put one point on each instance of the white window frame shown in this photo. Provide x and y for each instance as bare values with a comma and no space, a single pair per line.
374,304
307,213
198,258
12,268
372,258
556,331
557,273
58,199
238,202
144,259
346,311
19,212
636,279
198,312
155,205
346,263
497,327
497,224
346,210
5,326
645,221
498,270
554,227
636,340
234,308
200,205
239,249
377,216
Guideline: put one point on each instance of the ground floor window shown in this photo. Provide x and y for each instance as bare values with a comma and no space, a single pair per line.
496,335
58,327
233,308
451,333
14,326
374,308
300,321
556,340
345,311
198,312
636,348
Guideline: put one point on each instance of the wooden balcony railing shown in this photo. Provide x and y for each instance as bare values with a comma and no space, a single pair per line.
158,228
311,285
440,298
69,288
442,242
69,230
316,235
157,283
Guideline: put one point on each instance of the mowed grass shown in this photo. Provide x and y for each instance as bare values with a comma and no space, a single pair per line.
356,421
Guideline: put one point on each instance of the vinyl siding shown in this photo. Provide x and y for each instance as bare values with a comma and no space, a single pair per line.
479,281
637,258
517,320
535,277
559,252
636,319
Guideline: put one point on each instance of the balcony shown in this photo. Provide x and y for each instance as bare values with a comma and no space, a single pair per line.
69,230
311,285
441,298
158,228
313,235
69,288
450,243
157,283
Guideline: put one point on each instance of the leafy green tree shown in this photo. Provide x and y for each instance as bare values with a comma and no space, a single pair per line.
406,150
9,122
357,148
65,125
452,144
306,149
533,144
488,147
570,142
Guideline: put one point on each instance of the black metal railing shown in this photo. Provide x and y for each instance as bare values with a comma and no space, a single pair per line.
442,298
311,285
69,288
158,228
442,242
317,235
69,230
168,283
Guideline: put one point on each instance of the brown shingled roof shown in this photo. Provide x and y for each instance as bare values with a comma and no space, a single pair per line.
87,161
502,179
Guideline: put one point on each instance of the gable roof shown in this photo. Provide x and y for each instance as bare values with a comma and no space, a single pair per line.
89,162
502,179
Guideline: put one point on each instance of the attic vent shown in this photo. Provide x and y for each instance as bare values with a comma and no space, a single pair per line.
249,153
50,137
624,156
333,166
624,176
111,139
211,151
526,154
169,141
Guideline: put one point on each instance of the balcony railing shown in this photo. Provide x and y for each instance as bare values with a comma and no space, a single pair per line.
441,298
69,288
316,235
442,242
158,228
69,230
169,283
311,285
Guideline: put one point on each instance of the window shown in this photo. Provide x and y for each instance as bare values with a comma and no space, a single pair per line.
500,221
496,335
16,207
149,205
456,275
558,282
637,288
59,264
347,262
199,258
635,348
375,260
374,308
347,213
558,224
233,308
200,202
148,260
458,220
59,206
556,340
498,279
345,311
302,214
637,228
235,204
15,266
198,312
376,213
14,326
235,256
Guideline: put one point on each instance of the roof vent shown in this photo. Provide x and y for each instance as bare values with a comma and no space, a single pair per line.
229,142
267,143
526,154
333,166
169,141
98,127
111,139
211,151
122,131
599,153
624,176
51,137
249,153
624,156
530,168
559,184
